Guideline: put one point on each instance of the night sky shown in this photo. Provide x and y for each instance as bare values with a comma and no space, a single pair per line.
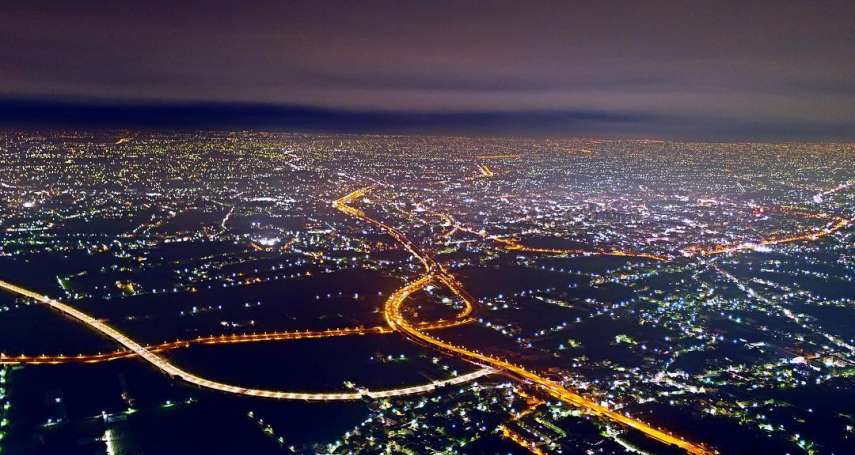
778,70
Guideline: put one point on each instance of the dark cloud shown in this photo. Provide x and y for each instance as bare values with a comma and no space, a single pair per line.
746,62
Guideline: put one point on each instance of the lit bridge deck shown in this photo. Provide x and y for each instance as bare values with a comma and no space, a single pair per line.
175,372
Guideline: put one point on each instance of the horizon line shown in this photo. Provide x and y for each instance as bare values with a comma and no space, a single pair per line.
30,112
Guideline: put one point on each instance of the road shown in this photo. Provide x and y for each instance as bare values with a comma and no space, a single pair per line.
434,272
834,226
397,322
485,171
511,244
430,265
56,359
175,372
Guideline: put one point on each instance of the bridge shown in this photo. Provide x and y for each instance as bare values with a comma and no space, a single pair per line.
434,272
176,372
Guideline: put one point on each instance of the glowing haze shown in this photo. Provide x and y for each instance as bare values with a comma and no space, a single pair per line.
711,69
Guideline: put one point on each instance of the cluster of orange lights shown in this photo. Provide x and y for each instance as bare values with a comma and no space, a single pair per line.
433,272
520,441
416,331
512,244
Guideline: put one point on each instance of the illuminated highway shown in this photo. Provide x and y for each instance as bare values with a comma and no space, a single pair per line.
532,404
209,340
429,264
511,244
396,320
342,205
521,441
56,359
178,373
832,227
498,156
433,273
485,171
